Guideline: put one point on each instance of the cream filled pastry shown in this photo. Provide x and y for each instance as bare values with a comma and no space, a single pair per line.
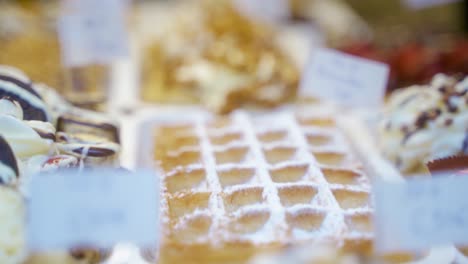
32,142
422,123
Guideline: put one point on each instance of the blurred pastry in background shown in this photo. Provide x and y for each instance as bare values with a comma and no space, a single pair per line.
29,41
336,19
214,56
425,122
415,62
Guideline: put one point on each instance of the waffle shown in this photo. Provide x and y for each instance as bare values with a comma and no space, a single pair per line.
241,184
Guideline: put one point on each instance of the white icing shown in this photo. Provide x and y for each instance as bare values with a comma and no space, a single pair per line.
24,141
44,127
11,108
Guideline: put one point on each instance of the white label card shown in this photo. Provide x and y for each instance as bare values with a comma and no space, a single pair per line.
98,208
93,31
421,213
271,10
345,79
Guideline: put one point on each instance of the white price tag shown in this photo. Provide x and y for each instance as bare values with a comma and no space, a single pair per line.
271,10
97,208
345,79
421,213
421,4
93,31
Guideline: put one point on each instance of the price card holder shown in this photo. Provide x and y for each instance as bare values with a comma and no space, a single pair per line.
93,31
92,35
346,79
97,208
421,213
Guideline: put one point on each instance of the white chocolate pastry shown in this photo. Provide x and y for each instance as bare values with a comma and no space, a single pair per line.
422,123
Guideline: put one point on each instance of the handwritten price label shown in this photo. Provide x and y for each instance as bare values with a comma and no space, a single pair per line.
98,208
93,31
345,79
421,213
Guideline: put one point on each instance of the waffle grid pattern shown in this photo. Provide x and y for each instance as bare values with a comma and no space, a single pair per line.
281,178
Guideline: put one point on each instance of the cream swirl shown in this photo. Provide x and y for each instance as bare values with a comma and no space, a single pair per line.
423,123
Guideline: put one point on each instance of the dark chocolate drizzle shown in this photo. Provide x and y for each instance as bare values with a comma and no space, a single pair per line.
465,144
43,135
26,86
7,156
95,152
69,119
408,99
408,135
29,111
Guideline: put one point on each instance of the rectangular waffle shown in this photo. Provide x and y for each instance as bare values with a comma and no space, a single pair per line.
237,185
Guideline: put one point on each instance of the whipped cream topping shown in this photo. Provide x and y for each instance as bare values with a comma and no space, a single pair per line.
24,141
422,123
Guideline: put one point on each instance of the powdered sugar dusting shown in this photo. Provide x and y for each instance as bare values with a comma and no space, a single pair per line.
268,179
